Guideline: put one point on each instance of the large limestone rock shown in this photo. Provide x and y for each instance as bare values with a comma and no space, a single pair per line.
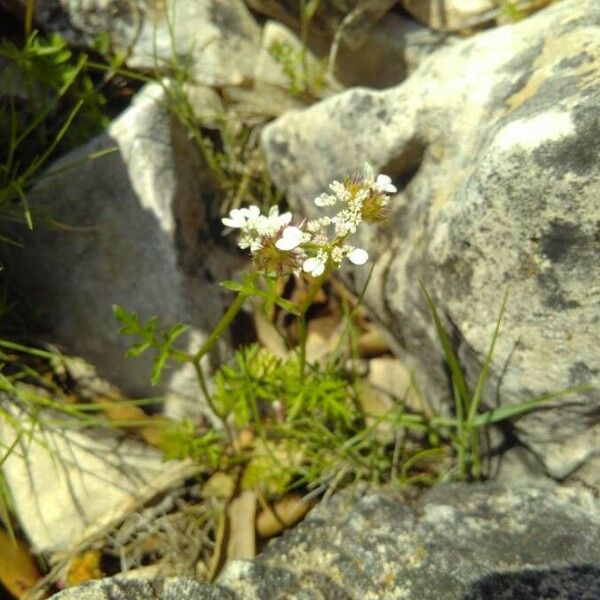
219,37
451,15
69,485
172,588
457,542
356,17
130,228
465,15
493,144
394,47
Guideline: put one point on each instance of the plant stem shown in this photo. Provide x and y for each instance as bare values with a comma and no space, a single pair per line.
202,382
212,339
222,325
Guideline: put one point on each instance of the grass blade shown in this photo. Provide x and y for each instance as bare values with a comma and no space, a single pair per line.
485,369
507,412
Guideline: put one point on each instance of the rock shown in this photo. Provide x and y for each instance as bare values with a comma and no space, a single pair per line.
273,87
173,588
267,69
391,377
357,16
492,144
455,542
394,47
220,36
67,485
130,228
451,15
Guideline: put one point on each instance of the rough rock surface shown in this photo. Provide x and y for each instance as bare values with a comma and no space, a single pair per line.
356,16
457,542
220,37
493,144
451,15
393,48
173,588
132,231
67,484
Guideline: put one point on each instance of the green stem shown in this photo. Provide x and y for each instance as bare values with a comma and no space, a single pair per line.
212,339
222,418
221,326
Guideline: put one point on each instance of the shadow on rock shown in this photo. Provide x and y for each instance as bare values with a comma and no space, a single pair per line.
577,582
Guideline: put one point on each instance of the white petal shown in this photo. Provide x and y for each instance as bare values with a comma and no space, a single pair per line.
358,256
285,218
231,222
252,211
325,200
290,238
313,266
318,270
384,183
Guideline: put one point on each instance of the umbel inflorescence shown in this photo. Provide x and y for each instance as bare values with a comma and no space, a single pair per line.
280,242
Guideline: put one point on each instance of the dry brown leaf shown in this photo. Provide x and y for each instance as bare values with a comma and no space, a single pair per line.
268,336
18,569
323,335
218,555
84,567
242,531
282,514
390,375
300,290
117,409
220,486
372,342
376,404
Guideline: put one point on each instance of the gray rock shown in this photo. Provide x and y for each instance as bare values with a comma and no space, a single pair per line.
69,485
173,588
130,228
493,145
220,37
356,16
455,542
393,49
451,15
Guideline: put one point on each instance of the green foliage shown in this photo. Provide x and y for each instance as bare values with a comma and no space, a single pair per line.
48,103
182,440
151,338
312,432
511,10
303,78
257,381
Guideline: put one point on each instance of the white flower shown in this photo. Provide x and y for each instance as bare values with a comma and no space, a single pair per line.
358,256
325,200
340,191
239,217
315,266
384,184
272,223
291,238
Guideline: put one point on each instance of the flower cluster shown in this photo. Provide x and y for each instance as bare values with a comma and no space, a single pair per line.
278,242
